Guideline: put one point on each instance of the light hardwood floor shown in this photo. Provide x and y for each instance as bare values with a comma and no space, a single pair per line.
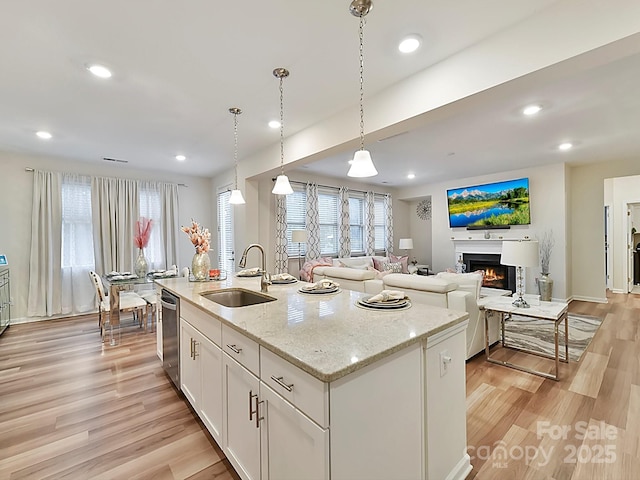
73,408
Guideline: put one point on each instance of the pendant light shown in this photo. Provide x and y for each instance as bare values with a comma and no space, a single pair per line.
361,165
236,195
282,186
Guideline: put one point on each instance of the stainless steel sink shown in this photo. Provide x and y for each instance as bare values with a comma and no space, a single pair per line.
237,297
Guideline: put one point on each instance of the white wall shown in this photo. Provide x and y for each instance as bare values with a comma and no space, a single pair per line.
548,211
16,202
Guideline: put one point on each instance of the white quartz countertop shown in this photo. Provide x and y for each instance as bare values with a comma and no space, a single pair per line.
328,336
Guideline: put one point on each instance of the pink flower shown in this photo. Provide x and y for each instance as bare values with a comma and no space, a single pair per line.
200,238
143,232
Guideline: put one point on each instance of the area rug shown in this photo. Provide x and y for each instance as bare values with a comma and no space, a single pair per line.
537,335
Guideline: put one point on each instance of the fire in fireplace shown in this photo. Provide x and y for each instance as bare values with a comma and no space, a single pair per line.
495,274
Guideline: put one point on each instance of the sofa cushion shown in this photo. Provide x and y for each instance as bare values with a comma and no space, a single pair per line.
347,273
353,262
362,266
403,260
418,282
470,282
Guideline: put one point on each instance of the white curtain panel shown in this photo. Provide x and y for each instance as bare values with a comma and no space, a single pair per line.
345,225
312,222
281,261
388,213
45,286
170,222
369,223
115,207
78,292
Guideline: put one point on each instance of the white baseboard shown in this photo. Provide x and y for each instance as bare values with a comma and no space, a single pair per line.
462,469
590,299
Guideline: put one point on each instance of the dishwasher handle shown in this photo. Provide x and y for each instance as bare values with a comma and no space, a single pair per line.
169,306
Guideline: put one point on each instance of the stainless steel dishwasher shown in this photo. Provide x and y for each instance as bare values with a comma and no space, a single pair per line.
171,335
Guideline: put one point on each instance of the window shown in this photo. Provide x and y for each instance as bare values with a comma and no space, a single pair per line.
328,214
226,256
296,218
149,197
380,225
77,232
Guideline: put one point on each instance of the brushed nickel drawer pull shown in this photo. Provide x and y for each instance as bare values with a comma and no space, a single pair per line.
258,417
251,412
279,381
195,351
234,348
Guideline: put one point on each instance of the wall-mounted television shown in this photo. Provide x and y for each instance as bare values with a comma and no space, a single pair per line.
492,205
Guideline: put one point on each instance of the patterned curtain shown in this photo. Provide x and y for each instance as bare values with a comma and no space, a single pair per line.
369,223
388,223
313,222
345,227
281,263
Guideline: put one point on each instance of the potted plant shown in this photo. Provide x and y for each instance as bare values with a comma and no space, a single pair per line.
545,284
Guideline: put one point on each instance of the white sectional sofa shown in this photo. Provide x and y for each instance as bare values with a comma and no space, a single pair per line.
448,290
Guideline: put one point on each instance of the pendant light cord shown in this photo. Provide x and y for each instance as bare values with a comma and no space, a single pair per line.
361,34
235,148
281,129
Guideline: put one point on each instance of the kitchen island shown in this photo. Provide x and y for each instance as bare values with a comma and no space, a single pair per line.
315,386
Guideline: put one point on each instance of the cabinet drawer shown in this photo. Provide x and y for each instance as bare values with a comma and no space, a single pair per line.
210,326
242,349
304,391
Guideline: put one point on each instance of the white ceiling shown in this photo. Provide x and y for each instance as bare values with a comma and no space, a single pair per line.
179,66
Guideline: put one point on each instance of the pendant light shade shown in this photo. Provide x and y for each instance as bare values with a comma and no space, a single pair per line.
236,195
282,186
362,165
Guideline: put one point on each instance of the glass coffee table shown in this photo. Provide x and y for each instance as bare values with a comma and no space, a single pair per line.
555,312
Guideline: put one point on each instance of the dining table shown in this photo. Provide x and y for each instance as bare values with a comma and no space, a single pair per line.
117,282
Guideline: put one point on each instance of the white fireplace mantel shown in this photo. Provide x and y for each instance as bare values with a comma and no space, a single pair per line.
479,245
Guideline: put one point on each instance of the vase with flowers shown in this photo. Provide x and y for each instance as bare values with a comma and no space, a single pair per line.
141,240
200,239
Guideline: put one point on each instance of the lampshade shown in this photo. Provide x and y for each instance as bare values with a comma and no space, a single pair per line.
406,244
282,186
236,198
520,253
362,165
299,236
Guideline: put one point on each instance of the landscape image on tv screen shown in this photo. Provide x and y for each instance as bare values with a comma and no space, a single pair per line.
490,205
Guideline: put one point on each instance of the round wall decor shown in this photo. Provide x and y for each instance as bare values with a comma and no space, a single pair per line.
424,209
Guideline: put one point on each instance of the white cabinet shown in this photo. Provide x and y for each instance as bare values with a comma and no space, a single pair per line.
201,377
190,364
241,419
293,446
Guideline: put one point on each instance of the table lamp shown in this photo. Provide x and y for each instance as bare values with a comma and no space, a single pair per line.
299,237
407,244
520,254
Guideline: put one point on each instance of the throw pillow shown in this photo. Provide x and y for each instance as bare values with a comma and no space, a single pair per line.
393,267
404,260
378,263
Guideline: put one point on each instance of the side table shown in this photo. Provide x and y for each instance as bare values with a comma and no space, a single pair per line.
555,312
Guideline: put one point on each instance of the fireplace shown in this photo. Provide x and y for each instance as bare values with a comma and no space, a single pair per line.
495,274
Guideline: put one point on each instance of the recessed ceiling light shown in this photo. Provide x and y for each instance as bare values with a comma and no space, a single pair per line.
565,146
181,158
100,71
274,124
531,109
410,43
44,135
411,176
